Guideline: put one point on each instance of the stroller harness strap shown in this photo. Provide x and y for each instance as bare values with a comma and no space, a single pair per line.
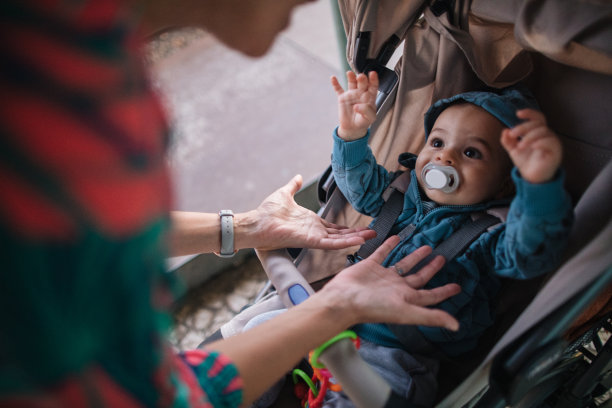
454,245
409,336
459,240
392,208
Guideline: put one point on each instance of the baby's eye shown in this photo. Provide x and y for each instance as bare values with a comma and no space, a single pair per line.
473,153
437,143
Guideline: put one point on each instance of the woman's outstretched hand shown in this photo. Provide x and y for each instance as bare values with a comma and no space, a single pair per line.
373,293
279,222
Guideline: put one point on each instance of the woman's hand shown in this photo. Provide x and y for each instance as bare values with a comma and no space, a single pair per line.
368,292
279,222
364,292
356,105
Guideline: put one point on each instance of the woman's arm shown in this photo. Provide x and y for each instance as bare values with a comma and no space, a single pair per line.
278,222
365,292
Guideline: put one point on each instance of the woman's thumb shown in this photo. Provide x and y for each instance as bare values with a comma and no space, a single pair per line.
294,184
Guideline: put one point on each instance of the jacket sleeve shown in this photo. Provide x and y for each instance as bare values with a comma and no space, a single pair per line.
207,376
537,229
358,176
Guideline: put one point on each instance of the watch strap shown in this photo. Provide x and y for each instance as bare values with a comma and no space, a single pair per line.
227,233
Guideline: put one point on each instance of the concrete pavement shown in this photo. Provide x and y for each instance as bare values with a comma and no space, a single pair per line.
242,127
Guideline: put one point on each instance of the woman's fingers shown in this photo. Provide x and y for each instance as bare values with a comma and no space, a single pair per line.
384,249
422,316
338,239
294,185
409,261
428,297
422,276
377,293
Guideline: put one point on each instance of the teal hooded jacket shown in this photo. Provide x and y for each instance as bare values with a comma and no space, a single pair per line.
529,243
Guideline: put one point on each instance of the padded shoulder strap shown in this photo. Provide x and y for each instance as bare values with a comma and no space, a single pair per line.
459,241
394,203
449,249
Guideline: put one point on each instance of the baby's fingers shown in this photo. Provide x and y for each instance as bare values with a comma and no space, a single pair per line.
531,115
520,130
530,140
368,111
373,86
508,140
532,120
336,85
351,80
362,82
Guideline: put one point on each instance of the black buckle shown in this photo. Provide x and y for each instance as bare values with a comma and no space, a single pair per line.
352,259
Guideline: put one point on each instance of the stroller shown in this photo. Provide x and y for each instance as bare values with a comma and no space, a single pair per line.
535,355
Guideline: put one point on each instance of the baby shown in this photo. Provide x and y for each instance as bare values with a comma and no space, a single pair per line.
481,149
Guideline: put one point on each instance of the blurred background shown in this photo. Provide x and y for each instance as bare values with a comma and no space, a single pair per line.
241,128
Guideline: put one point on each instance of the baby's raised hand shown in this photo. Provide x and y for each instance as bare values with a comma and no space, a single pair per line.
533,147
356,105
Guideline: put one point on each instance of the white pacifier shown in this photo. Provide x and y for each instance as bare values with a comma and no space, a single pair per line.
444,178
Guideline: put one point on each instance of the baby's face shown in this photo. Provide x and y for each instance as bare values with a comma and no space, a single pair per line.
467,138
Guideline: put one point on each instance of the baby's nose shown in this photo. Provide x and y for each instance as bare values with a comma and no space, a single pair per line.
446,157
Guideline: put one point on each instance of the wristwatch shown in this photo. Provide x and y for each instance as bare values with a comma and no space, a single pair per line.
227,234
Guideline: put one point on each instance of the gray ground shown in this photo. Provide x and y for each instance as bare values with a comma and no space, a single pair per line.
210,305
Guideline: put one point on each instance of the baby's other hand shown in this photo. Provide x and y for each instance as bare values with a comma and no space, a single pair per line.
356,105
533,147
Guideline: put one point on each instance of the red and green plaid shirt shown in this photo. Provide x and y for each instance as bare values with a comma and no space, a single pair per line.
84,200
